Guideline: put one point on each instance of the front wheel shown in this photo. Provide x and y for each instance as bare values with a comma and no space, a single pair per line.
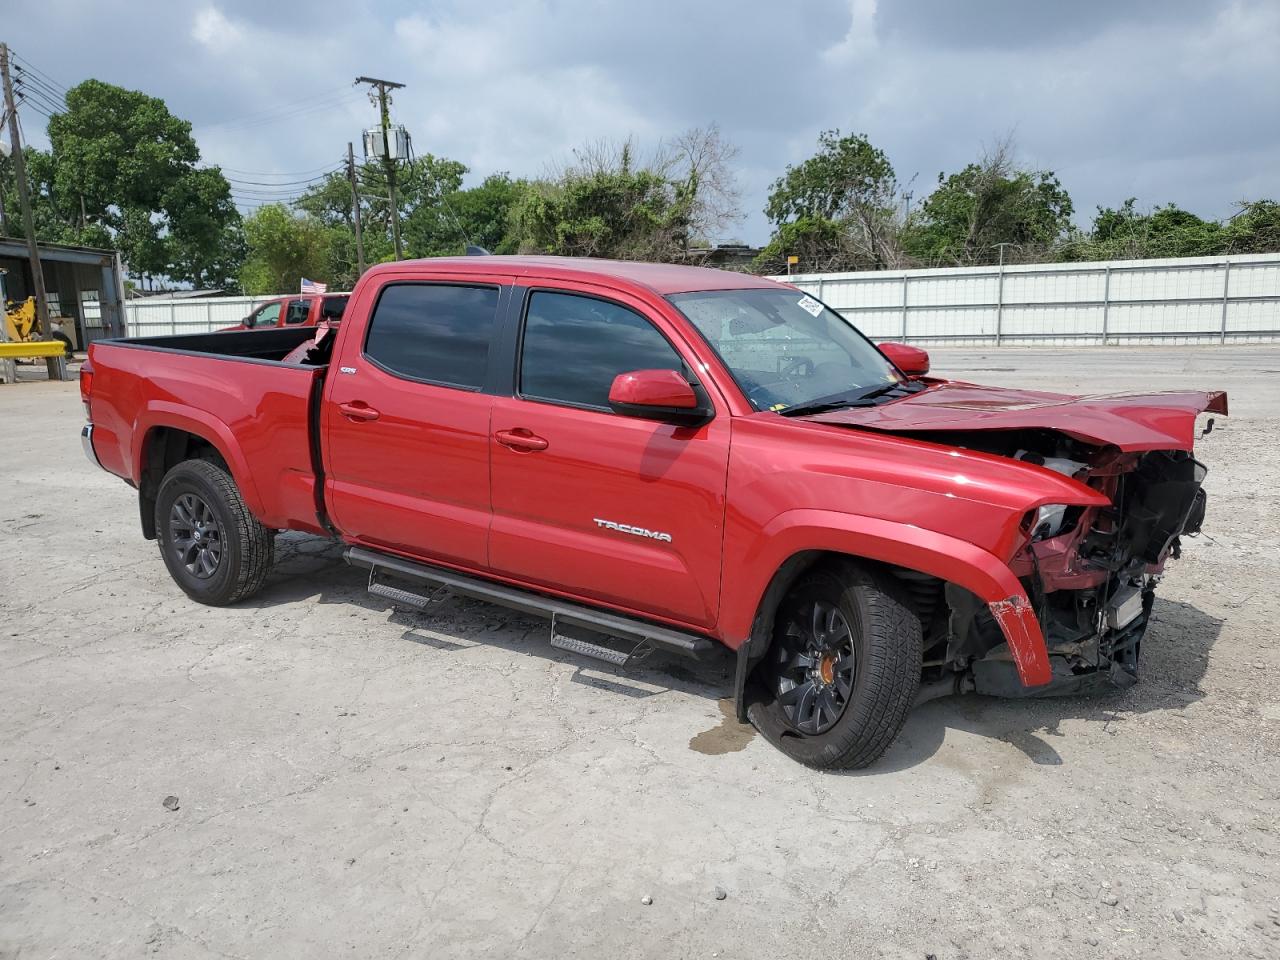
215,549
843,669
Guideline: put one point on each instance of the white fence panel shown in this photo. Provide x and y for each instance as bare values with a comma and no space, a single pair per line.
158,318
1183,300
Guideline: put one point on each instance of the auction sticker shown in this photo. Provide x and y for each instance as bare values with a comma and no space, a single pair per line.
810,306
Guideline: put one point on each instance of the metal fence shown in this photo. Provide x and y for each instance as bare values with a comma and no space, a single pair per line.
154,318
1183,300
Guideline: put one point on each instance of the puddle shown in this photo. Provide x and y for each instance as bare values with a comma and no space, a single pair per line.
728,736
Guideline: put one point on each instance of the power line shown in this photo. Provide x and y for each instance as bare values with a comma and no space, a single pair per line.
265,173
33,96
27,80
285,183
56,85
285,111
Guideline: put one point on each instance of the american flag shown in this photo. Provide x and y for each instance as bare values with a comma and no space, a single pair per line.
313,286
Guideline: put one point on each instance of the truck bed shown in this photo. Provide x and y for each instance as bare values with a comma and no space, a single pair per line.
231,388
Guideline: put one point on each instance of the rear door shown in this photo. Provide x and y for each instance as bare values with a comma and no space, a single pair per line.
615,509
406,422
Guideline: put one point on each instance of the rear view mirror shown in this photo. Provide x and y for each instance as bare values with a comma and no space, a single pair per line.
663,395
912,361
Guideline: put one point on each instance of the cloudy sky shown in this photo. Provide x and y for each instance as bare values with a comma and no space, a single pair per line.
1165,100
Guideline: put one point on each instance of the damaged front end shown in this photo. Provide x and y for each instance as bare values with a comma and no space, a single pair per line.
1089,572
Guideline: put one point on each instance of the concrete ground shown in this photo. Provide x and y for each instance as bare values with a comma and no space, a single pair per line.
353,780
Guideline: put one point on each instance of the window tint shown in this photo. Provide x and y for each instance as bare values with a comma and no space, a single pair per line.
434,332
266,316
575,346
298,311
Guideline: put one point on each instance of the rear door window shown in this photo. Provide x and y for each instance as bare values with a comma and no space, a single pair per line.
298,312
435,332
574,346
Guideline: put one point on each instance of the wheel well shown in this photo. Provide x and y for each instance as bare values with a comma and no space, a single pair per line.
163,449
925,591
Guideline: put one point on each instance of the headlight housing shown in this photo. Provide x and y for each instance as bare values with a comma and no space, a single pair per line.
1051,520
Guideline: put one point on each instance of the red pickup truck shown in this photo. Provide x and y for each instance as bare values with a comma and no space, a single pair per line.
673,458
305,310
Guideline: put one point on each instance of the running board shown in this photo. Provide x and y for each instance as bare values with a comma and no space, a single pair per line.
558,611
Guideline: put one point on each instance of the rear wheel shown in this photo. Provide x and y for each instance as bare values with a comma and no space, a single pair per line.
842,672
214,548
66,343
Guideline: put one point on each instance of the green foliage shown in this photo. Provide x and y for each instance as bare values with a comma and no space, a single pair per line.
1255,228
480,215
987,204
284,248
846,173
122,169
607,209
817,241
836,210
437,217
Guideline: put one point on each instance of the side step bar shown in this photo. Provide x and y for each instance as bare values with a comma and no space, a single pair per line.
558,611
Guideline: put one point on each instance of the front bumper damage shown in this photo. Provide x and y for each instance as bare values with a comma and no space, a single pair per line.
1090,588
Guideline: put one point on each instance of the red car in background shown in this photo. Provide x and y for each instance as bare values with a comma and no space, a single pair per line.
301,311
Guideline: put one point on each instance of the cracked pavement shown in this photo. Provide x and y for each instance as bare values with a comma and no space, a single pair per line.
358,780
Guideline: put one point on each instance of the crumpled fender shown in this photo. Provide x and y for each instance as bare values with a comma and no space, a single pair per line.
900,544
165,413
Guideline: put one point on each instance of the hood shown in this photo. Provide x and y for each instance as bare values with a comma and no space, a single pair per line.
1132,422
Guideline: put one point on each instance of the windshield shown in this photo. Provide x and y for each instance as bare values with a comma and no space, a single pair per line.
784,348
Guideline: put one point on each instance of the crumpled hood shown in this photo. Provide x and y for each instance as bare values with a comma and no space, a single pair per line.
1130,421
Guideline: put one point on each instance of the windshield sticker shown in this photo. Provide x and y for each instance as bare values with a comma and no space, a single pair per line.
810,306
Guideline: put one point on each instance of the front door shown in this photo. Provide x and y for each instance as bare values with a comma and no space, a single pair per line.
406,426
616,509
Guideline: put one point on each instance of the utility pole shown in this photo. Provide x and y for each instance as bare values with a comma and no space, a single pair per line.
355,210
387,163
24,197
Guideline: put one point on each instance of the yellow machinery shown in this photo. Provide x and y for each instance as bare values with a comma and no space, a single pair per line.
21,326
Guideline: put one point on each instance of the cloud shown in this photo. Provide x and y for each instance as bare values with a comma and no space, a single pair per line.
1165,100
211,29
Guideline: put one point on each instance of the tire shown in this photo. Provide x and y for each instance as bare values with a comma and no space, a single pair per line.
214,548
66,343
823,710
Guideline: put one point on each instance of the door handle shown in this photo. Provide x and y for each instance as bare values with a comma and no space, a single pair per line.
358,410
520,439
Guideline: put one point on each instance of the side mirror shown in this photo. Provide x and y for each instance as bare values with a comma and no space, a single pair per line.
662,395
247,322
912,361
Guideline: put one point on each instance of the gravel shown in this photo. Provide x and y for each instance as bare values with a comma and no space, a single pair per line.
543,790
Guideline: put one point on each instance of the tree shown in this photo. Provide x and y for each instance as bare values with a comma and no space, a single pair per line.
1126,233
703,161
837,210
845,173
480,215
123,166
605,207
1255,228
986,204
282,249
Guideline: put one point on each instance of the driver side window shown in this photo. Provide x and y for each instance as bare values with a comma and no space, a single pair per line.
268,316
574,346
